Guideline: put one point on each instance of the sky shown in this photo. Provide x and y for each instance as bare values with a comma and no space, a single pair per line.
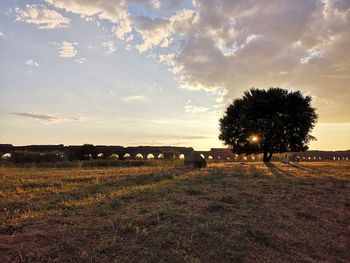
153,72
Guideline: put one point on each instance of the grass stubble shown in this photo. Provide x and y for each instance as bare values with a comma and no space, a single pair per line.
227,212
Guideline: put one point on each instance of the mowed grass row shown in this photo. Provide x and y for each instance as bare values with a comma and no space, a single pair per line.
228,212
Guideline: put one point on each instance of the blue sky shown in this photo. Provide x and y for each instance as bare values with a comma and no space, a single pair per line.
132,72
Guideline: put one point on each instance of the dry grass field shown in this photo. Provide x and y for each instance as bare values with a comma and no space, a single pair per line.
228,212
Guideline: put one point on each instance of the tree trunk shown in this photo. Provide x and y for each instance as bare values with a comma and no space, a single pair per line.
267,157
270,156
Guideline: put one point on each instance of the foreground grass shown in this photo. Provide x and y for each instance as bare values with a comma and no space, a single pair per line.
229,212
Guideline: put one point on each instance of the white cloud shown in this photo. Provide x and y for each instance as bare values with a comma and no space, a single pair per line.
109,47
183,21
30,62
67,49
165,43
220,96
154,4
41,16
312,54
153,31
2,34
195,109
134,98
80,60
157,31
113,10
297,43
128,47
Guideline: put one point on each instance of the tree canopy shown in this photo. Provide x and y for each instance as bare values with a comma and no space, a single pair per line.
268,121
84,152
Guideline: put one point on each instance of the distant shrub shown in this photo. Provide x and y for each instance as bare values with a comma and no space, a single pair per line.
84,152
195,160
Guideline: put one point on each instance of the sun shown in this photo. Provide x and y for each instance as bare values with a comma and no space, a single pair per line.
254,138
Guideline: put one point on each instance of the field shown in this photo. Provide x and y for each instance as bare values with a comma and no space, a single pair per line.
228,212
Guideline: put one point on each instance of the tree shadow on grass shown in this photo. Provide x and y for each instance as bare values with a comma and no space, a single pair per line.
277,171
299,167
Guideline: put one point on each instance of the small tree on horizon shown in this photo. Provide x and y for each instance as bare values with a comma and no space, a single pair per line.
87,152
268,121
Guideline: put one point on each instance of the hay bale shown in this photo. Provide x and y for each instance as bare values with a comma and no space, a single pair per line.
195,160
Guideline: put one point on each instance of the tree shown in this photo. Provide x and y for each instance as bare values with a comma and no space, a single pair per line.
268,121
86,152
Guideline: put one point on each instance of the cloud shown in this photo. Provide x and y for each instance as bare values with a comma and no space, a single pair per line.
41,117
235,45
115,11
109,47
41,16
47,118
153,31
2,35
80,60
134,98
30,62
311,55
67,49
195,109
155,4
156,31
